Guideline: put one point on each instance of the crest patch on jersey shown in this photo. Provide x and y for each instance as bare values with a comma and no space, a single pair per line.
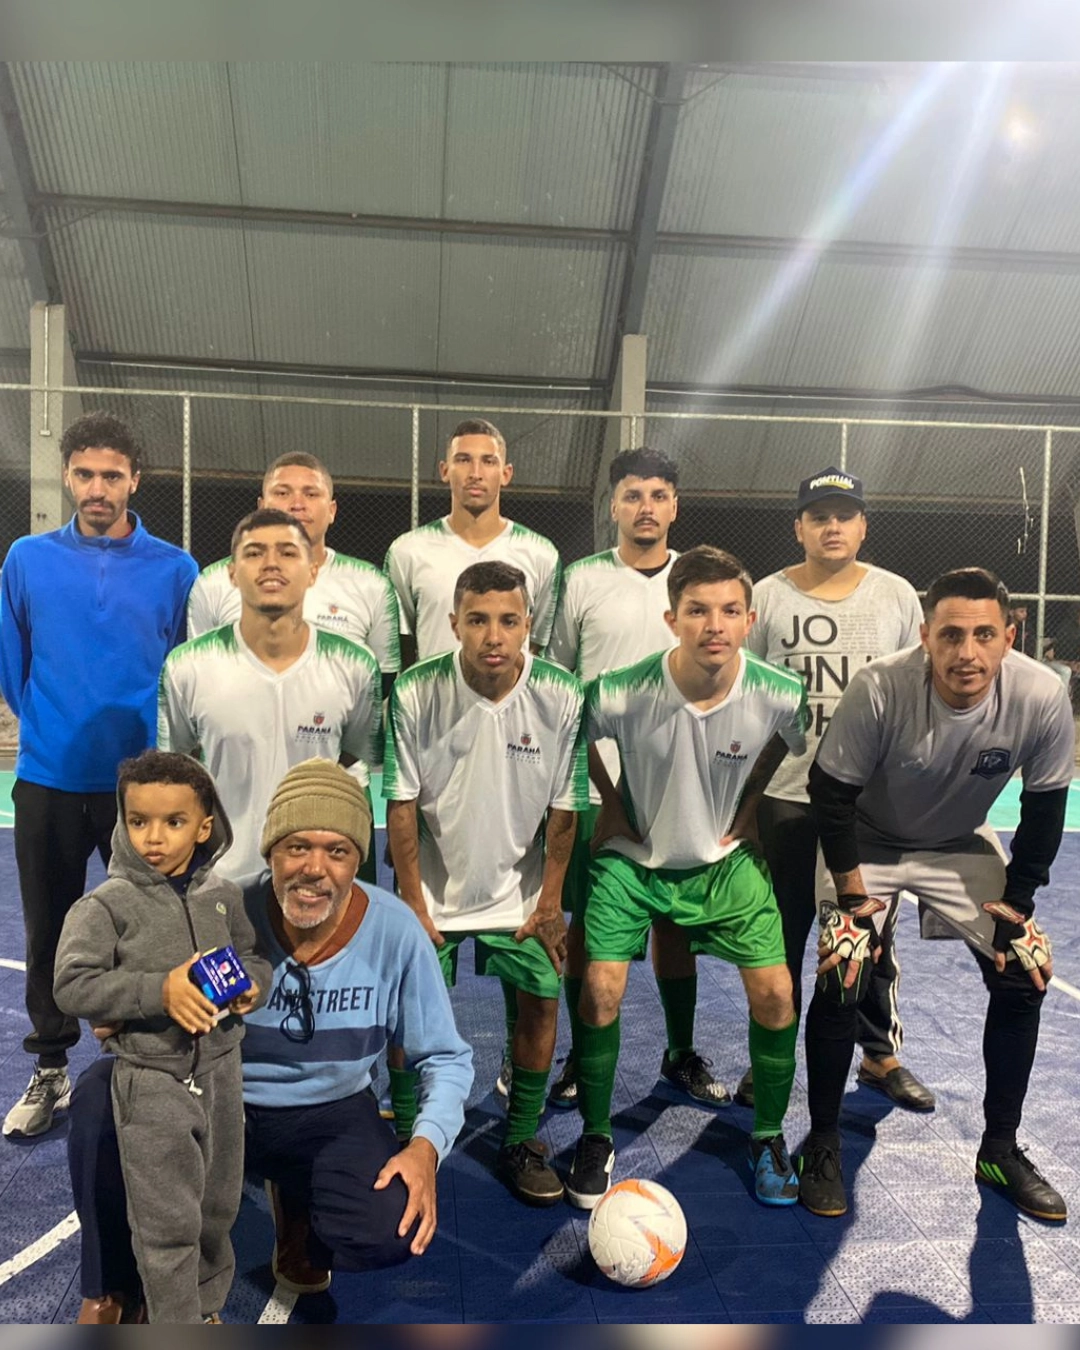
991,763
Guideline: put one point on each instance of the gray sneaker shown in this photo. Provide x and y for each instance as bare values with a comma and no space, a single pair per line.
49,1090
563,1093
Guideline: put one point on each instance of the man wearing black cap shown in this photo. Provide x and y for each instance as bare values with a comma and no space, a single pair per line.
826,617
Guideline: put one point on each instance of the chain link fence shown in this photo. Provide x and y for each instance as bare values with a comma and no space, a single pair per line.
941,492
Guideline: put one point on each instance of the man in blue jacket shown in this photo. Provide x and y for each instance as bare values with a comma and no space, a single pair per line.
87,616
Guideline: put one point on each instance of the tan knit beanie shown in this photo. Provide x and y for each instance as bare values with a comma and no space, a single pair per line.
318,795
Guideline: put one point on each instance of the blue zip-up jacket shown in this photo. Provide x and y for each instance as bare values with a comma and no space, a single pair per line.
85,626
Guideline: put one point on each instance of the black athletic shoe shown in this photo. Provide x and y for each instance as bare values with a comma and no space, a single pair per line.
690,1074
821,1182
1013,1174
563,1093
525,1170
744,1093
590,1173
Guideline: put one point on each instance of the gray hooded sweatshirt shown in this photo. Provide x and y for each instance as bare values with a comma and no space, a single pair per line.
120,941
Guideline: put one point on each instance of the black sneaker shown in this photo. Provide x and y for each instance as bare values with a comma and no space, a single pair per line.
690,1074
524,1169
1014,1174
744,1093
821,1183
590,1174
563,1093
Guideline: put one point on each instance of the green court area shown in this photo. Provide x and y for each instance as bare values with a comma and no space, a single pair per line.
1004,816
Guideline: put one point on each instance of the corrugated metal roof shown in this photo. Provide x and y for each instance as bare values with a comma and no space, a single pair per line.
551,144
1027,337
334,297
718,320
158,129
153,283
508,307
15,296
341,137
872,326
918,159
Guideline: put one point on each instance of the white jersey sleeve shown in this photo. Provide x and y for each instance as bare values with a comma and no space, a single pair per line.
401,767
571,779
209,604
361,732
177,729
546,599
397,569
384,636
566,629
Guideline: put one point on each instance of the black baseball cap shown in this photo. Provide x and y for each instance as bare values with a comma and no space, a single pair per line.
830,482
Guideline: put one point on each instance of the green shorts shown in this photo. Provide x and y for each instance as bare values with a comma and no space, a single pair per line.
728,908
525,965
576,886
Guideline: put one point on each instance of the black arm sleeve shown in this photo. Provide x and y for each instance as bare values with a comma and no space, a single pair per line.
833,805
1034,846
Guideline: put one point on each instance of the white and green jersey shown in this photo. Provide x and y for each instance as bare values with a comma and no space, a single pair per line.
827,641
683,768
251,723
609,616
350,597
483,775
424,566
930,773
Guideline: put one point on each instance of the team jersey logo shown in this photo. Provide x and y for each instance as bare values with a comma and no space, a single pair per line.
332,608
736,746
992,763
319,719
523,751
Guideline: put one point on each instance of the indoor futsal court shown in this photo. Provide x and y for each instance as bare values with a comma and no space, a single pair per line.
809,296
921,1244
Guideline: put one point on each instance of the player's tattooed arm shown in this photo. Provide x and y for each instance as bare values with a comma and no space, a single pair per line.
612,820
404,836
744,824
546,923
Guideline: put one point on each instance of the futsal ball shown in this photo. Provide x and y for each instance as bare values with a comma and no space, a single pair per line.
637,1233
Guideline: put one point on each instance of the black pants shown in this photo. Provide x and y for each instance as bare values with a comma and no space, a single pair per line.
790,843
325,1155
55,834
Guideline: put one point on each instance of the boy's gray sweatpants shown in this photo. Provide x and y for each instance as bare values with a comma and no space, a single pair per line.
183,1162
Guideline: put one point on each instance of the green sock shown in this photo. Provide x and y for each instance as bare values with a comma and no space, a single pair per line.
526,1104
572,986
596,1052
772,1058
403,1099
510,999
679,998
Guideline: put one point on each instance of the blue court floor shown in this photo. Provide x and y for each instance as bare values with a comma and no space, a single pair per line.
921,1243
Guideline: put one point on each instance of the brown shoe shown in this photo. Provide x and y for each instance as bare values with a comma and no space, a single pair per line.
101,1312
291,1265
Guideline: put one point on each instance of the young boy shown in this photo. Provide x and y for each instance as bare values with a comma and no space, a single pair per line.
124,959
689,723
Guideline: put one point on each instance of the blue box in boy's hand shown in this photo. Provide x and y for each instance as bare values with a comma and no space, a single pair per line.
220,976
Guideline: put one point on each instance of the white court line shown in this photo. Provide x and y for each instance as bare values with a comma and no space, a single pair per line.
1058,982
42,1247
12,965
278,1308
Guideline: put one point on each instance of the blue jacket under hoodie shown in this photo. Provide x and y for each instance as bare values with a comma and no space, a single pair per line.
85,626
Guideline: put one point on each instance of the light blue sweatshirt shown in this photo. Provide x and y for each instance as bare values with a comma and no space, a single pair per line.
383,987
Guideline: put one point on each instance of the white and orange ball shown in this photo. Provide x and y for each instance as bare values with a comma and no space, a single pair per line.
637,1233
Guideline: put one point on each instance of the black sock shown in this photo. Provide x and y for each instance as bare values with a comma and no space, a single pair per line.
1010,1038
830,1044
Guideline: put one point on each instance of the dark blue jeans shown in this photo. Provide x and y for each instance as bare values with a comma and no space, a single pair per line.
325,1155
